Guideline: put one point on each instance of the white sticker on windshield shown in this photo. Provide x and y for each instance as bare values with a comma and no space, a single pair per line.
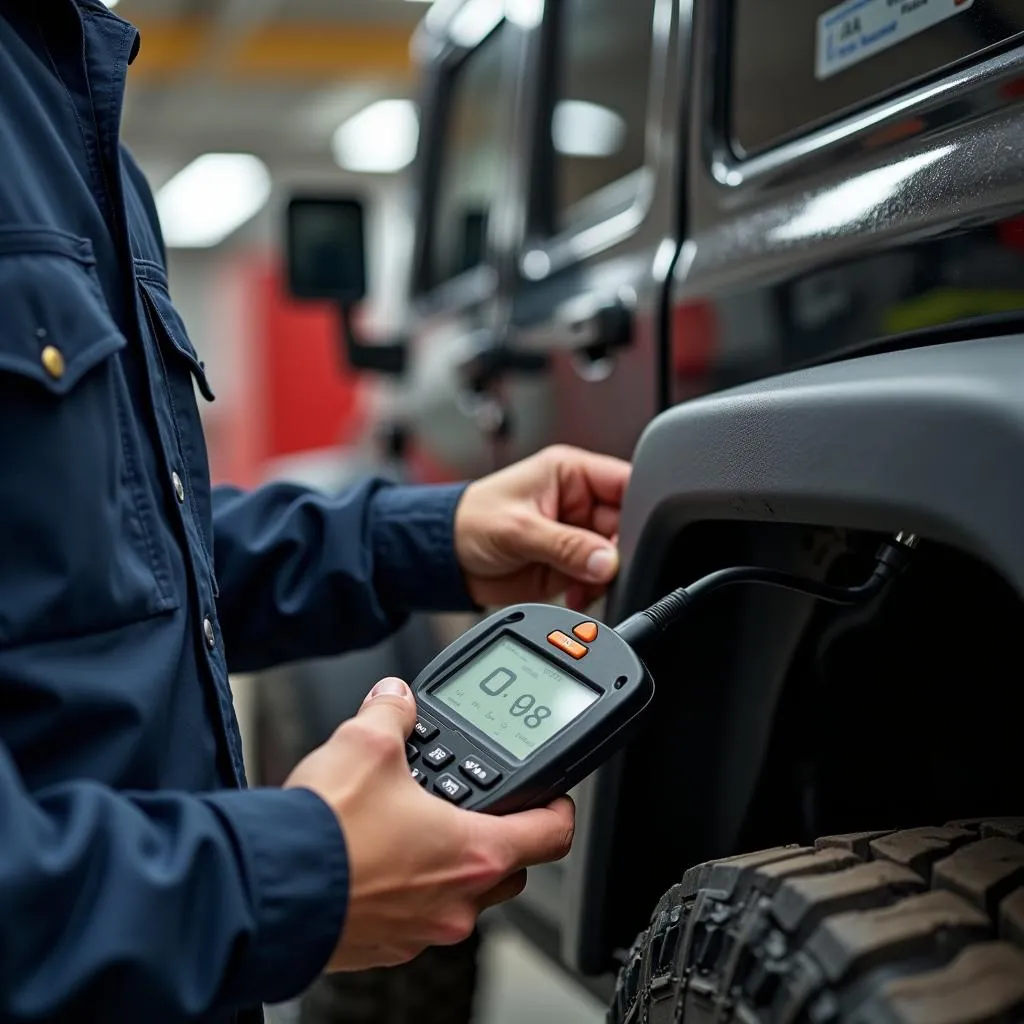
858,29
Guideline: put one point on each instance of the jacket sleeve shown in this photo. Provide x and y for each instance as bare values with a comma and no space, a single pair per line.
160,907
303,574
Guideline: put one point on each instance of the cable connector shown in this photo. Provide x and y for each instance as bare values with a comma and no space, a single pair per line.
892,558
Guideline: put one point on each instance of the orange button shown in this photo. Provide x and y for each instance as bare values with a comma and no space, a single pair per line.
586,631
566,643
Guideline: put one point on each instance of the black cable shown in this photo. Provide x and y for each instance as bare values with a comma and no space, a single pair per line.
891,559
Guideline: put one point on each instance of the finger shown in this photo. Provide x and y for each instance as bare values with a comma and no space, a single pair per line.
390,706
605,521
571,550
606,477
535,837
507,889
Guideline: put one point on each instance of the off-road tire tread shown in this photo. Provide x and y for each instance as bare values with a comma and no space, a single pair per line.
438,987
911,926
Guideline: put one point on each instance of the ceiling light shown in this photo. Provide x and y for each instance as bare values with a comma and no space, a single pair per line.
525,13
111,3
212,197
579,128
475,21
380,139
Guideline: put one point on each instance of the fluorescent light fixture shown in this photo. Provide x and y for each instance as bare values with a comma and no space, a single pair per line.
525,13
579,128
211,198
380,139
475,21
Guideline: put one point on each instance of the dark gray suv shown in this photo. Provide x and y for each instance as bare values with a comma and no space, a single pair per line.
774,252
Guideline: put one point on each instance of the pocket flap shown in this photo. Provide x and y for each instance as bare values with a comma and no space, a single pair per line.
54,322
153,281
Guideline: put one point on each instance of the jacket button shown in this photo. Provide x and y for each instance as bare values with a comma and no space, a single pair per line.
53,361
208,633
179,488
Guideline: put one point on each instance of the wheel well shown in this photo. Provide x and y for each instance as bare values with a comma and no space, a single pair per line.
905,712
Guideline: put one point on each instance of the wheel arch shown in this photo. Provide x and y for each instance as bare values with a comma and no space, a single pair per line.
925,440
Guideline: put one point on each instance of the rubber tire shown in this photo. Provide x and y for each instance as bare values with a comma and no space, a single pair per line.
437,987
923,926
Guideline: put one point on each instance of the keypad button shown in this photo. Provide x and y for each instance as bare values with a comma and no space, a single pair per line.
438,756
451,789
585,631
566,643
418,776
424,731
480,772
411,753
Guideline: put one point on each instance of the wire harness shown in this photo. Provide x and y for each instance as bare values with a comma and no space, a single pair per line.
891,560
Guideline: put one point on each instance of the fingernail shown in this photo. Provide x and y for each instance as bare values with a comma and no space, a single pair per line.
390,687
601,565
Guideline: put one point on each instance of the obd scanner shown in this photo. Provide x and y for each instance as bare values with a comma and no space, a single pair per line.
532,699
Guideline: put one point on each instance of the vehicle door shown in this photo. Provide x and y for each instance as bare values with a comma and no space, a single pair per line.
603,219
466,181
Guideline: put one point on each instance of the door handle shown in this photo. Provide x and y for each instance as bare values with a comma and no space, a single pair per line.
599,332
490,359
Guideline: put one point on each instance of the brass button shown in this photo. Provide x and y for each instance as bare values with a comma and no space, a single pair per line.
53,362
179,488
208,633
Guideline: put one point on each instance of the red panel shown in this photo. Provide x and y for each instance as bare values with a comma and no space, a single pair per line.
312,398
694,339
1011,233
282,388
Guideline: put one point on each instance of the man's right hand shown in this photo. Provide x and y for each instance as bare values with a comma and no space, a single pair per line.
421,870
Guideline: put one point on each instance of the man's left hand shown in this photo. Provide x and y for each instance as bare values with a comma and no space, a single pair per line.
544,526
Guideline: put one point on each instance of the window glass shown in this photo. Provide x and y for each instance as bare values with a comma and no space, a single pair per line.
600,109
824,58
475,147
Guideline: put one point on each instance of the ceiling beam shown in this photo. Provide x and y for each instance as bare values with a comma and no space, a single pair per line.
295,52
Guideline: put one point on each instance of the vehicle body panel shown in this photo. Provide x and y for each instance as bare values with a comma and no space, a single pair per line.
925,440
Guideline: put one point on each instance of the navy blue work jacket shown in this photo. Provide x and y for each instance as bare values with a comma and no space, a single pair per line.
139,880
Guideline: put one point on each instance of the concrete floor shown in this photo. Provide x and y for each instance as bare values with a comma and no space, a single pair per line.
522,987
519,986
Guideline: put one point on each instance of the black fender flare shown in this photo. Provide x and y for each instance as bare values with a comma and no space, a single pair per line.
929,440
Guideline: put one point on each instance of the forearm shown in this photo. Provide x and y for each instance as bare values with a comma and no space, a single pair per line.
304,574
162,906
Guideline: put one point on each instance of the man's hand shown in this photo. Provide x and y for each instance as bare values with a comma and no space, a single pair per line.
546,525
421,870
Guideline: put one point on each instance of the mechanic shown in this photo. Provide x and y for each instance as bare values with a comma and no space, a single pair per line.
139,879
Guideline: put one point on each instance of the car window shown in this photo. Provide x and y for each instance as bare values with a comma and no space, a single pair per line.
600,106
474,148
825,58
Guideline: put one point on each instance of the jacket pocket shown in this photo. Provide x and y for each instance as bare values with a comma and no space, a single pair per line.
80,545
169,326
183,375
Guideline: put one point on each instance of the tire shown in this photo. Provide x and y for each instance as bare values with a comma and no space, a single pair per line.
923,926
436,988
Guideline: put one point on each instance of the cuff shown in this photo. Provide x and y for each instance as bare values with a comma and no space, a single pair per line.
413,537
297,863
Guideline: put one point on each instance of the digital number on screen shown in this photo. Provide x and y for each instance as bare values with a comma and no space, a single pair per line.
515,697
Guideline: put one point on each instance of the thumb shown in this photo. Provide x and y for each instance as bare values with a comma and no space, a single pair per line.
571,550
390,706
